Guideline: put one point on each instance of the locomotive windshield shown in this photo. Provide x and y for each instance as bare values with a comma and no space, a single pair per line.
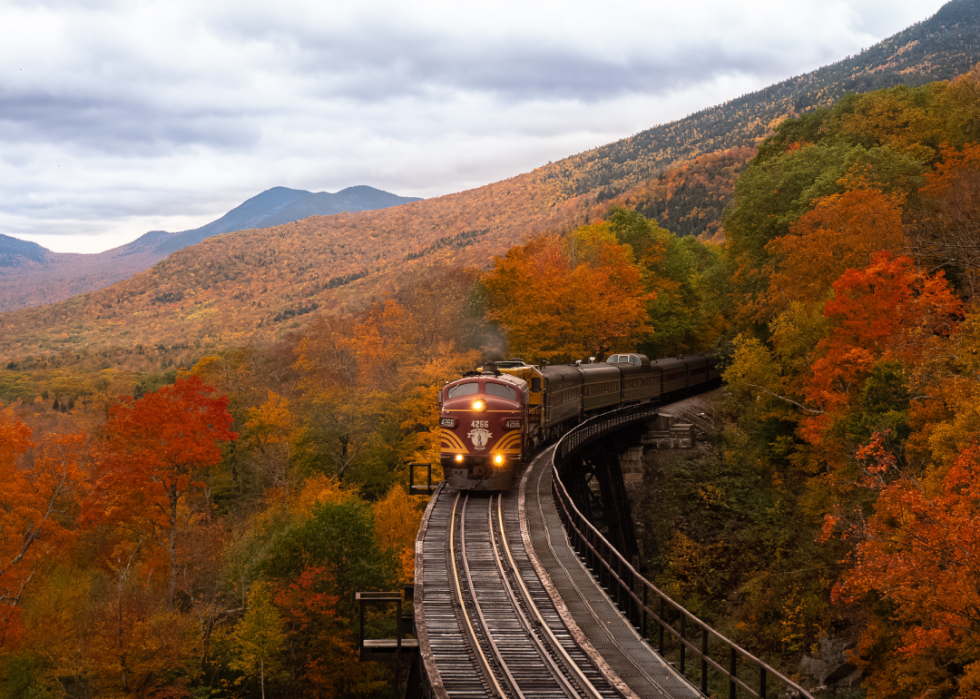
497,389
464,389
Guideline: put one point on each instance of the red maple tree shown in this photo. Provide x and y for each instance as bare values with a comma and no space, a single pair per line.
159,451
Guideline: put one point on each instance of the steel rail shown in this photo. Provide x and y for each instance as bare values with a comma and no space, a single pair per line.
551,662
474,641
487,634
543,625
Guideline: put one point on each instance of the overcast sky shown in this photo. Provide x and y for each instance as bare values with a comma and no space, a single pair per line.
121,117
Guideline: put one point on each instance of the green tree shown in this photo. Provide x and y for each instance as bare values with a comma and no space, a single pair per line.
340,538
257,640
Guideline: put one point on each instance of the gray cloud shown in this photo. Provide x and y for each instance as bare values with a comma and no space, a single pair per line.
118,117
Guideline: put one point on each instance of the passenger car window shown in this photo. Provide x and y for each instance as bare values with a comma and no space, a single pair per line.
613,359
496,389
634,360
464,389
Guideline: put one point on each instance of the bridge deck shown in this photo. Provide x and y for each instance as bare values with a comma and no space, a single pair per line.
626,658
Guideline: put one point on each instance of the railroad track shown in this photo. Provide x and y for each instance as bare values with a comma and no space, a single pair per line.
515,644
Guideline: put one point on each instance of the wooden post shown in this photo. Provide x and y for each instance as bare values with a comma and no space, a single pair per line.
704,660
732,655
683,638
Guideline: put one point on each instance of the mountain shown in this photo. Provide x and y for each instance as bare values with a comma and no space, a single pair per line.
230,288
16,253
280,205
31,275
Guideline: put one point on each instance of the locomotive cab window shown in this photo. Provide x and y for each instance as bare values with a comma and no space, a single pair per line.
496,389
464,389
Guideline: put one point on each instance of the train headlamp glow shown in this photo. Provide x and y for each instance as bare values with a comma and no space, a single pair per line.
459,458
479,405
498,459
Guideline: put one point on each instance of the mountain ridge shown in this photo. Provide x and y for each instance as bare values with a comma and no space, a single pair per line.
32,275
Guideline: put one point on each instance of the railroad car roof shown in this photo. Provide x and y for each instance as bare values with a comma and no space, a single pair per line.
561,372
628,358
696,361
599,372
669,364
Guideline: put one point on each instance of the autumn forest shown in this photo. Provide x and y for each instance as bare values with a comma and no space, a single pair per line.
188,510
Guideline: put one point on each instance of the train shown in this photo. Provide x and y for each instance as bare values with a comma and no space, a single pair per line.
491,420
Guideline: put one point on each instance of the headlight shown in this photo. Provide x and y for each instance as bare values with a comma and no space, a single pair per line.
479,405
459,458
498,459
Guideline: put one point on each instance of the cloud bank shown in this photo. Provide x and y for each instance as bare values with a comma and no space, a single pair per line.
120,117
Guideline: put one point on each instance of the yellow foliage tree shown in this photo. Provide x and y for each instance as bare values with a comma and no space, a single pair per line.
258,638
396,523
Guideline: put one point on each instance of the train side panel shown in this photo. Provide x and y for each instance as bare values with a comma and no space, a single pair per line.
640,381
562,395
674,374
601,386
697,369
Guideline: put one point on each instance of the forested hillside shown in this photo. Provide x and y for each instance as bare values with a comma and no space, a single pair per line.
939,48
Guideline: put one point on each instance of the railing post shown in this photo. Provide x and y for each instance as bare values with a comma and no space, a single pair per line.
663,620
360,640
398,625
643,614
731,672
762,682
683,638
704,660
620,588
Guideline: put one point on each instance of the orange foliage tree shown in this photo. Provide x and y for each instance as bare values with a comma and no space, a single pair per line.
396,521
567,298
841,231
889,310
35,499
322,650
918,556
948,230
158,451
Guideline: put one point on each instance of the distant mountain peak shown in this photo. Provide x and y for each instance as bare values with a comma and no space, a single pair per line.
280,205
955,12
15,252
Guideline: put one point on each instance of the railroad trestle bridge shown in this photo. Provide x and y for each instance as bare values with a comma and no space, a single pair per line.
521,595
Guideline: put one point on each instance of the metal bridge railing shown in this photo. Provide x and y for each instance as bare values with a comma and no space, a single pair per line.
638,598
